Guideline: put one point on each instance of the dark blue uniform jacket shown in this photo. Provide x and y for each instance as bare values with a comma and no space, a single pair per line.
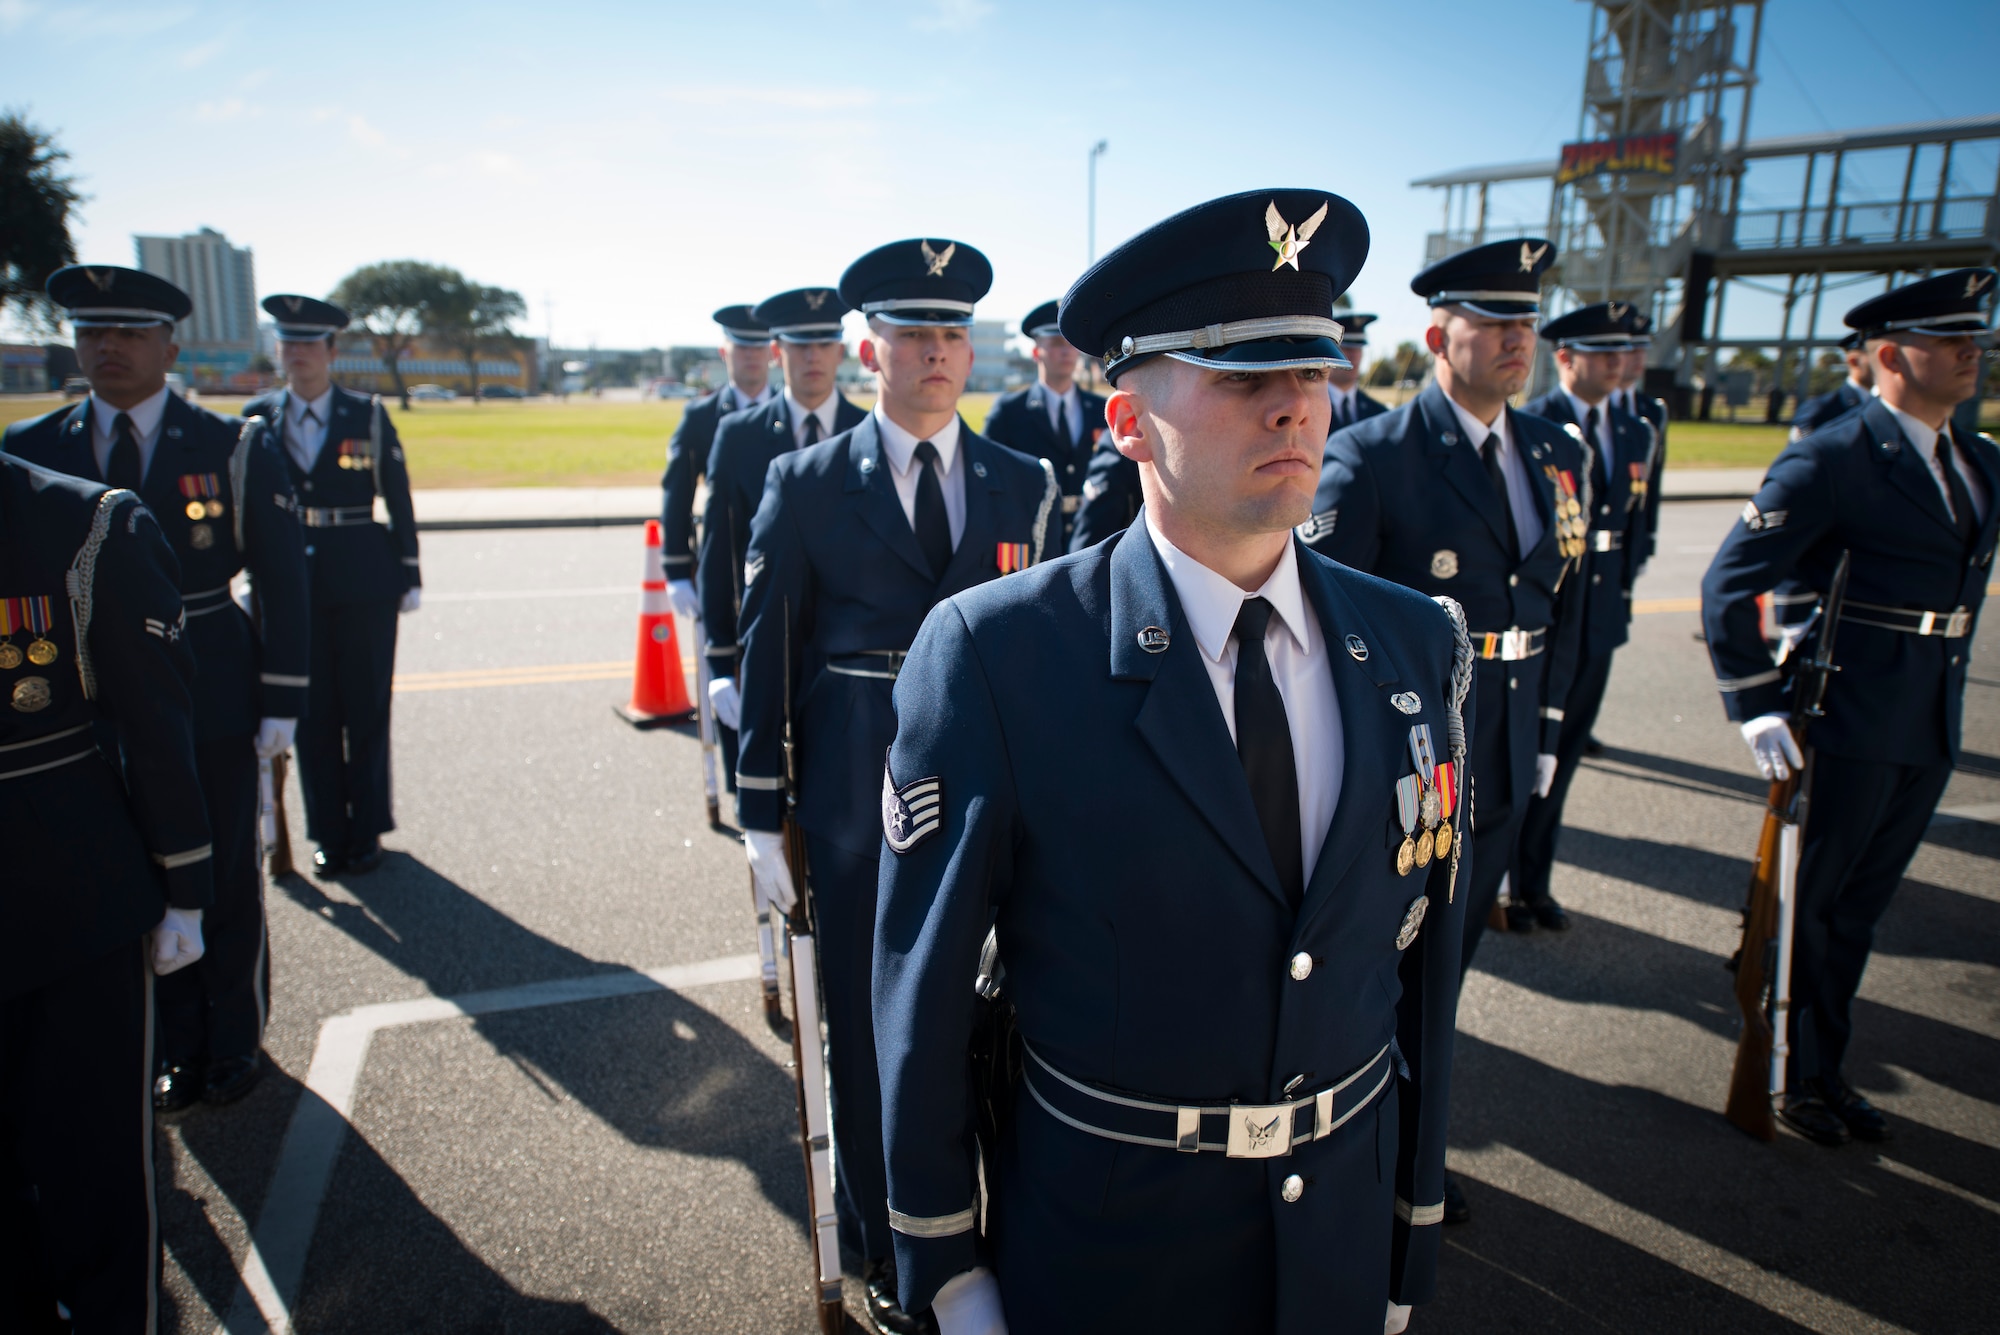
93,858
353,563
245,669
1824,409
687,454
745,444
1404,496
1020,421
1857,486
1617,510
835,571
1149,949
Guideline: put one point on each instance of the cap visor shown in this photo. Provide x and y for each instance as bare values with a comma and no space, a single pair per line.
1271,354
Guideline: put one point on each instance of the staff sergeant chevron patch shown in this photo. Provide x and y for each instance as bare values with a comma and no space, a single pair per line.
912,812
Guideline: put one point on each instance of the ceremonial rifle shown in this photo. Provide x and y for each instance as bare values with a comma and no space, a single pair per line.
273,831
705,723
809,1045
1764,960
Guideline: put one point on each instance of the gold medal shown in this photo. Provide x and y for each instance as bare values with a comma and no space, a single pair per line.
201,537
1426,848
10,655
42,652
196,509
215,509
1406,856
32,695
1444,839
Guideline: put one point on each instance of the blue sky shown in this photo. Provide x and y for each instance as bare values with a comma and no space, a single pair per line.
638,165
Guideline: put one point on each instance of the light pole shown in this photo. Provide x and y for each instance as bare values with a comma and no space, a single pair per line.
1096,152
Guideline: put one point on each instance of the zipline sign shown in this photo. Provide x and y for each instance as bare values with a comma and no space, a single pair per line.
1641,154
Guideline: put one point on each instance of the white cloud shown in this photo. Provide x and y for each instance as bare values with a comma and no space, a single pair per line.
502,165
364,133
253,79
228,109
770,97
13,13
952,15
196,56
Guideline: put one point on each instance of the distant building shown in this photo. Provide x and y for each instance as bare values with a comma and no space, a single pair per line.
357,367
991,357
219,340
35,368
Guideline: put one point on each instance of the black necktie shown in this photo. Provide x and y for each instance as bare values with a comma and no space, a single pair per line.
812,429
1962,517
1489,452
1264,744
933,526
125,469
1597,446
1343,411
1062,424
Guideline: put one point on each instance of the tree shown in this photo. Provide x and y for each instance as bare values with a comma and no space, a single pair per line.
393,301
36,199
1408,363
471,317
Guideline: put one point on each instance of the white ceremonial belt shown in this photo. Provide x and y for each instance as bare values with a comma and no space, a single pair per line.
1510,645
336,516
1606,540
1952,625
33,762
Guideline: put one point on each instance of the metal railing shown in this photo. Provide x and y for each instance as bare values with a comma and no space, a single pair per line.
1863,224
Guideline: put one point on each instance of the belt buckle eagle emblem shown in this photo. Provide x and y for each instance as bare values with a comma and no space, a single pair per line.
1260,1133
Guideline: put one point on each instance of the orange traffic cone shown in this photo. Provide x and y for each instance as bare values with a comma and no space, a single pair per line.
659,682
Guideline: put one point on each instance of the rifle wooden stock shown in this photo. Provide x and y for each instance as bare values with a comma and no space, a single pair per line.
1749,1107
815,1114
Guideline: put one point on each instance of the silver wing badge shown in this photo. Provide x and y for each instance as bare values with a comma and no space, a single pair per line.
1287,240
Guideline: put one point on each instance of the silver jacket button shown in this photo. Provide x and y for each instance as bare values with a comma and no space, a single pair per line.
1293,1188
1302,967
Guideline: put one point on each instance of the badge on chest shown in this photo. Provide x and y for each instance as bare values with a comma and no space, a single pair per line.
354,455
1572,525
28,617
1425,801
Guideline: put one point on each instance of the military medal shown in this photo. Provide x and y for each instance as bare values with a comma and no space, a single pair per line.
1447,791
10,652
32,695
1409,796
351,456
1012,556
201,491
1429,804
201,537
29,614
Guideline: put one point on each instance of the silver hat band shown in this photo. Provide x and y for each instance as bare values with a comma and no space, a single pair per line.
743,338
1044,331
807,333
305,333
1531,297
1599,343
1222,335
116,317
1935,326
889,304
1277,364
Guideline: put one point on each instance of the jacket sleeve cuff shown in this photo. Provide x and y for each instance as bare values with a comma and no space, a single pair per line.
723,659
760,808
281,695
1747,702
924,1265
1413,1252
1551,735
191,886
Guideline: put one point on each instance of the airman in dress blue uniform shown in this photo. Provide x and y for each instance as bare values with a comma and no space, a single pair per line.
1851,393
854,542
805,330
746,352
1914,502
1591,344
343,453
220,495
1350,405
1631,397
109,870
1055,418
1194,779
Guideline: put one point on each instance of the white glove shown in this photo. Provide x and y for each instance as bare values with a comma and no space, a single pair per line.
1771,744
769,876
686,602
274,736
177,940
1398,1319
412,600
1545,774
727,704
969,1304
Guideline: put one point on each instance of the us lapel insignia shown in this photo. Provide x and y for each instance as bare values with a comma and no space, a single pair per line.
1407,701
1358,647
867,466
910,813
1289,241
1013,556
1319,526
1154,640
978,469
935,260
1413,918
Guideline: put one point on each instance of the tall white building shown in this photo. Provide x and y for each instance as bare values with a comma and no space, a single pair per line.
219,339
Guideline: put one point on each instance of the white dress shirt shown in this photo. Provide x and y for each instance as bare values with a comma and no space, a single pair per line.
1344,402
305,436
145,425
899,447
1070,406
1296,651
735,400
1520,491
1926,441
797,413
1603,442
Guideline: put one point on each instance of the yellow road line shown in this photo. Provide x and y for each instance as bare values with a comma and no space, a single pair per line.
535,674
1647,605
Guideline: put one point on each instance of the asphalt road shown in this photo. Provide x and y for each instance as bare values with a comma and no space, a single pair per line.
617,1153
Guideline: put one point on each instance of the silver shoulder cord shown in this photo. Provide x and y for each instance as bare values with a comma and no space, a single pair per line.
239,470
82,584
1049,493
1461,686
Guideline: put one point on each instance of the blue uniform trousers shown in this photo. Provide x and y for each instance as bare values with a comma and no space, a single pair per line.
344,739
1538,833
76,1171
1496,814
843,885
217,1006
1863,826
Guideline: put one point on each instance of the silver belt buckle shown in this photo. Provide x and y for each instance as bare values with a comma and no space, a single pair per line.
1260,1132
1070,504
1514,644
1958,623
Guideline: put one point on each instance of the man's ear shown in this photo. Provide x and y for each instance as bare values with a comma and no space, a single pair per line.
868,359
1128,432
1434,339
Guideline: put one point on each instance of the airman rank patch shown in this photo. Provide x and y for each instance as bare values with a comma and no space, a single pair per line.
1756,520
752,568
1012,556
1093,488
1319,526
1413,918
912,812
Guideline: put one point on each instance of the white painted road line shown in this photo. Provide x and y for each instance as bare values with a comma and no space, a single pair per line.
269,1283
511,595
1988,812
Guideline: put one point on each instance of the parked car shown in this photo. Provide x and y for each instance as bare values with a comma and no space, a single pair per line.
76,387
433,393
500,392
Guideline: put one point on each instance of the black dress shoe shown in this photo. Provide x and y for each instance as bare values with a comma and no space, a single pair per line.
364,858
1593,747
1806,1113
1549,914
1456,1211
230,1078
884,1311
1863,1119
1520,918
328,864
177,1087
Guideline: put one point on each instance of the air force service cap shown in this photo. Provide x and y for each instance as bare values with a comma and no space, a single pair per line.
741,326
922,281
1602,326
803,315
1943,306
104,296
1245,282
304,319
1354,328
1501,280
1043,321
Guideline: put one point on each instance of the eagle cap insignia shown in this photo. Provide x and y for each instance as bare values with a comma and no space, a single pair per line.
912,813
1617,310
1532,255
935,260
815,298
1290,241
293,304
1976,283
101,279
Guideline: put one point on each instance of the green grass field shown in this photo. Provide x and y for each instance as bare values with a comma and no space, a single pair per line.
597,443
